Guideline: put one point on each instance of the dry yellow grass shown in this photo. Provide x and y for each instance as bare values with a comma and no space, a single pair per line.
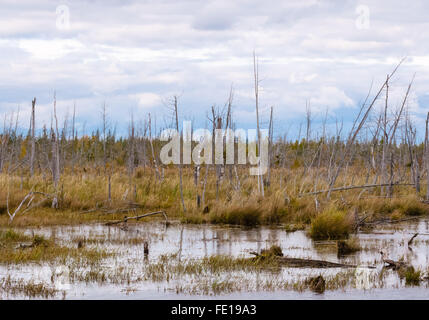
243,205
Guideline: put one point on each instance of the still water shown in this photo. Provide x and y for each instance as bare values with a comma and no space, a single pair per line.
193,242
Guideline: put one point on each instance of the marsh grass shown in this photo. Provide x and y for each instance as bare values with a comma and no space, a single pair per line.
292,227
168,267
40,250
132,241
30,289
412,277
11,236
332,223
220,275
83,193
246,216
223,274
395,208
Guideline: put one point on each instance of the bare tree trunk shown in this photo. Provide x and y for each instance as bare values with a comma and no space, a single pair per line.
180,162
33,142
426,156
256,79
56,156
270,145
153,151
73,138
385,139
104,115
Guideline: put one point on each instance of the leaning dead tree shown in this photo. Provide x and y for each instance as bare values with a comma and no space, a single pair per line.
356,128
27,203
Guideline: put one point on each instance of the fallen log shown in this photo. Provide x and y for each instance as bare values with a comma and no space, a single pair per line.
395,265
310,263
307,263
138,218
356,187
382,221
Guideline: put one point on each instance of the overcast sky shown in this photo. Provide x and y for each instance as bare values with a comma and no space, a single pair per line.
134,55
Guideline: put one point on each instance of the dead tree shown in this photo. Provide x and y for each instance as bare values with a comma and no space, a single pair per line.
258,143
426,156
55,156
158,176
176,112
33,139
270,146
356,128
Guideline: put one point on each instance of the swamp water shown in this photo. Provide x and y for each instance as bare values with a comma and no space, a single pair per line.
173,268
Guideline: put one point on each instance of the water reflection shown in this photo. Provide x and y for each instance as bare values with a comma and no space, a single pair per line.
198,241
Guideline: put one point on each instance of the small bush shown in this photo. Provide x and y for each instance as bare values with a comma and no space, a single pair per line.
331,224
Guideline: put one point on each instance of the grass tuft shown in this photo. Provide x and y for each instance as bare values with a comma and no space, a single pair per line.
331,224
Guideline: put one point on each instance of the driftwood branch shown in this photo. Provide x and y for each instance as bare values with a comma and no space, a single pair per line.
412,238
138,218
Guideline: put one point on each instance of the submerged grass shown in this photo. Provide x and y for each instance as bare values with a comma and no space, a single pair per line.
222,274
30,289
412,277
168,267
345,247
37,249
11,236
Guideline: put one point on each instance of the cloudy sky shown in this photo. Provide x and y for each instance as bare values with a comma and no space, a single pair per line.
134,55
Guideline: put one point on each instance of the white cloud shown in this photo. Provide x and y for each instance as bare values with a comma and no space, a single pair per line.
148,99
331,97
132,53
